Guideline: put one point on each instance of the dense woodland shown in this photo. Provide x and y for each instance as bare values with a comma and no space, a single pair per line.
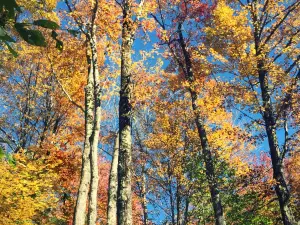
149,112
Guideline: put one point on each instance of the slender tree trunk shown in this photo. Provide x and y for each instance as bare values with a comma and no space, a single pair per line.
113,186
209,166
178,203
80,208
281,187
124,207
89,172
92,214
186,211
185,219
172,204
144,197
143,183
209,170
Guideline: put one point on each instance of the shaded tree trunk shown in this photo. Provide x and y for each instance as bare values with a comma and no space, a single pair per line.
124,207
144,197
113,186
143,184
281,187
170,190
186,211
178,203
209,166
277,157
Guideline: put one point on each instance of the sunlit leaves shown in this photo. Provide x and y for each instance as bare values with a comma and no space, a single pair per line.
25,190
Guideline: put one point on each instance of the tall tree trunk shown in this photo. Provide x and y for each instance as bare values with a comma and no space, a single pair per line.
89,172
186,211
92,213
178,203
209,166
170,190
113,186
143,183
80,208
124,207
143,195
281,187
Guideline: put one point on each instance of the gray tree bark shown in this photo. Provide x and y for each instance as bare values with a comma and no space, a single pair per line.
209,166
92,213
113,186
89,172
277,157
144,196
124,207
281,187
81,202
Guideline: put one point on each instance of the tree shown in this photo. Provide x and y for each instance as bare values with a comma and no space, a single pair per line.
41,126
262,45
131,18
33,181
124,203
177,171
93,92
184,13
113,186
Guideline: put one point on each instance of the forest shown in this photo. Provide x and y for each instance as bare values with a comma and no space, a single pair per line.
149,112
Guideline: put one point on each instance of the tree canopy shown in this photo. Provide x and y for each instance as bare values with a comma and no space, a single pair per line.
146,112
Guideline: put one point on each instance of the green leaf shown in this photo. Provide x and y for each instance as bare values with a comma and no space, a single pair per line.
2,153
4,36
2,31
12,51
46,24
10,6
33,37
59,45
10,159
54,35
7,38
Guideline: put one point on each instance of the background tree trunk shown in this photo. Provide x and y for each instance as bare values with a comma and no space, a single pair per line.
113,186
209,166
143,195
281,187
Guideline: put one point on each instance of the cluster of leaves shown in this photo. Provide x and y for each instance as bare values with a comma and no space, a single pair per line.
9,11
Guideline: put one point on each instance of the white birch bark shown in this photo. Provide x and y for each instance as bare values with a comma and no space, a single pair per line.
80,208
113,186
92,213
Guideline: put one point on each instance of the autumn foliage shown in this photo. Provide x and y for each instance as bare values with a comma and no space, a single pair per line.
205,98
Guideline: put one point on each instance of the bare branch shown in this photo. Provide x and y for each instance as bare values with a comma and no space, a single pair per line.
289,10
79,23
9,140
63,89
68,96
292,65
